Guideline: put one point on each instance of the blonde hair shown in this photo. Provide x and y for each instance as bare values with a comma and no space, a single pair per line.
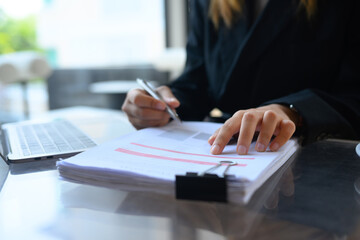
227,10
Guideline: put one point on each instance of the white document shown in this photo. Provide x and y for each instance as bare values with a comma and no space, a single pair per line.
149,160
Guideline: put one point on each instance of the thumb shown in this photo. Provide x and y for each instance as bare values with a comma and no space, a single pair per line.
167,95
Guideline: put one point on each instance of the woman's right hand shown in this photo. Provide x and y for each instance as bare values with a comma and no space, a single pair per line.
145,111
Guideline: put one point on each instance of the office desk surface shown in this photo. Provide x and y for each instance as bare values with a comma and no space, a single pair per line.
316,196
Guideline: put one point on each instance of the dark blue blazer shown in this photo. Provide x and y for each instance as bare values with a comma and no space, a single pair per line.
282,57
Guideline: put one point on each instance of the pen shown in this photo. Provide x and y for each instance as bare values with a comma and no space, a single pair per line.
144,84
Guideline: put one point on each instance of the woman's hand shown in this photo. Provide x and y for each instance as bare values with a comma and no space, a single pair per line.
271,120
145,111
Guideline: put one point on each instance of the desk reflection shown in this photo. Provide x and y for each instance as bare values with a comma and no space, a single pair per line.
313,196
325,197
186,218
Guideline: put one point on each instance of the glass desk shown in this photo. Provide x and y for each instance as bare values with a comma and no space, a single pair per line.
316,195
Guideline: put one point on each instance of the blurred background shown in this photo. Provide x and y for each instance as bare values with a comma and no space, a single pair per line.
94,48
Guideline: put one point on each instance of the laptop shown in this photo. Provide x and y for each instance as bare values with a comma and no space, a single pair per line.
31,141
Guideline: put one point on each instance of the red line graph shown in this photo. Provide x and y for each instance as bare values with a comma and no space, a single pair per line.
147,155
194,154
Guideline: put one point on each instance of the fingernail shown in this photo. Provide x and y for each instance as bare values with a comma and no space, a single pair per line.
260,147
211,138
275,147
241,149
170,99
215,149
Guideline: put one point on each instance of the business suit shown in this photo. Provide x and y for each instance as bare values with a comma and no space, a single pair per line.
280,58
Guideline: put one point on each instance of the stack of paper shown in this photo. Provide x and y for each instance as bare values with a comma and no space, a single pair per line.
149,159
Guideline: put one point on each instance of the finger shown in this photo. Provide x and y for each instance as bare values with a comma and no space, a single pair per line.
140,98
140,123
249,123
268,127
167,95
139,117
277,131
287,186
230,127
212,138
273,200
148,113
287,129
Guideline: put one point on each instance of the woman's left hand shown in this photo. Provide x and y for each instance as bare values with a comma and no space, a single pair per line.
271,120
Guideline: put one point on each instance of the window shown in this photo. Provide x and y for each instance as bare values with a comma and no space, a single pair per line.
87,33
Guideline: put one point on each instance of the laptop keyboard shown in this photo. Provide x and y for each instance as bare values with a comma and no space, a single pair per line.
54,137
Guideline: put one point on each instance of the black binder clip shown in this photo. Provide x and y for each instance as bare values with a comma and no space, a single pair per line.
203,186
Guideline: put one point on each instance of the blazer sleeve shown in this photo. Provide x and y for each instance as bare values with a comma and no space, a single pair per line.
334,114
191,88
